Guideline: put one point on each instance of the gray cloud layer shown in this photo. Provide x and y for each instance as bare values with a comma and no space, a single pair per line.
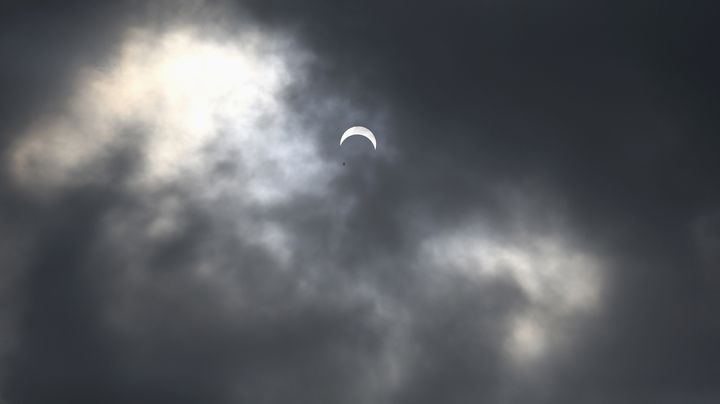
539,224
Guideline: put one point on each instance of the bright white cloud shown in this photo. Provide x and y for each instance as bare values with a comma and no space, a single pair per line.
185,94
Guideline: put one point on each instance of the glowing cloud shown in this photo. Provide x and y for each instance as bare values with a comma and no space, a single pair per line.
179,95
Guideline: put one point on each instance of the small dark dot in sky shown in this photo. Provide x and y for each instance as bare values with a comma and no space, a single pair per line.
343,163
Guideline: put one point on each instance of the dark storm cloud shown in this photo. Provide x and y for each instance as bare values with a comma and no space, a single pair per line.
600,114
609,105
42,45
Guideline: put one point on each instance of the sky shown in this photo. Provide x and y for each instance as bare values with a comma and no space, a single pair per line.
540,222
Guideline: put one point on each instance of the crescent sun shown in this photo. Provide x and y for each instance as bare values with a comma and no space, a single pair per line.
359,131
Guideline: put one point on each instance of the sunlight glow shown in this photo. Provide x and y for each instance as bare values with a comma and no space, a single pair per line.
178,95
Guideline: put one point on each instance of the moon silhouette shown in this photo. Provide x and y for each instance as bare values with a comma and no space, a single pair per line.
359,131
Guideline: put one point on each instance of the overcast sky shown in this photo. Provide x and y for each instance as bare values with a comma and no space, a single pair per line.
540,222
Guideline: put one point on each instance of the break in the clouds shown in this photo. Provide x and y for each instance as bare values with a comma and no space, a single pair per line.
179,225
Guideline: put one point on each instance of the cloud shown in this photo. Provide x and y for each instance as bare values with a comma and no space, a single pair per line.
557,283
537,224
187,95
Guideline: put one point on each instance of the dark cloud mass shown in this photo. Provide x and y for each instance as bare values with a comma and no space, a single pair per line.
539,224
